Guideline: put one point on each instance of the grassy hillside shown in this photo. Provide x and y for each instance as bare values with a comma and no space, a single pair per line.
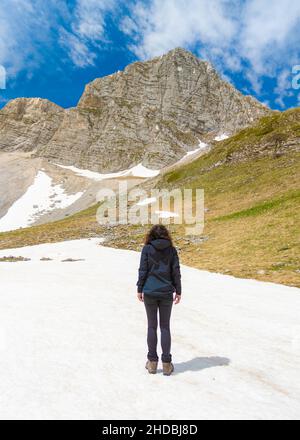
252,197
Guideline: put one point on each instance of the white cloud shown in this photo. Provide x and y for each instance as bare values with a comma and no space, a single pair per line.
90,18
18,24
87,29
254,79
26,26
283,87
268,31
78,51
166,24
259,34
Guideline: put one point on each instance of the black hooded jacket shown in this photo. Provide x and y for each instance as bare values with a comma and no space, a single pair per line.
159,270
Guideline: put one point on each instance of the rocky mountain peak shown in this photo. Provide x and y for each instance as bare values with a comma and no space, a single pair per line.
151,112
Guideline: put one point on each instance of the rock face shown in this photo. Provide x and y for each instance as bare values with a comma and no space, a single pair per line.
28,122
152,112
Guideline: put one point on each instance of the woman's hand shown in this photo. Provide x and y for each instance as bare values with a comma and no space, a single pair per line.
140,296
177,299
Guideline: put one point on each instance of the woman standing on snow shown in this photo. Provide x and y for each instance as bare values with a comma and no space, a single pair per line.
159,277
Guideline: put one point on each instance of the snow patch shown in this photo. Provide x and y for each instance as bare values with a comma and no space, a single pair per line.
40,198
201,146
221,137
141,171
136,171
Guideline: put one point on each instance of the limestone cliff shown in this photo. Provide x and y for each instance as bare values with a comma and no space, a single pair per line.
152,112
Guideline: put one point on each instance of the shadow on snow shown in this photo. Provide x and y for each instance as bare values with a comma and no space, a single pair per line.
200,363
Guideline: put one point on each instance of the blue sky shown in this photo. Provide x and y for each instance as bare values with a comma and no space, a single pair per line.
51,49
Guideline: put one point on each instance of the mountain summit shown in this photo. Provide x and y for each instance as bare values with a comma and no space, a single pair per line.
152,112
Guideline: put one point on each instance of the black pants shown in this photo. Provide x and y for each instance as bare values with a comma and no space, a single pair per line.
164,305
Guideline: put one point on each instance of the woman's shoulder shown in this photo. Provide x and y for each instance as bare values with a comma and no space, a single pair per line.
145,247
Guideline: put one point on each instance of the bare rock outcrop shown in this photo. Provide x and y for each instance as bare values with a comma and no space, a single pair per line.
27,124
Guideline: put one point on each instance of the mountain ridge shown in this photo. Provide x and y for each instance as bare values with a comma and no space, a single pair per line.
151,112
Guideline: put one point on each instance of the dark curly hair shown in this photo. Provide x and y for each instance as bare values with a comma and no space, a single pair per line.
158,231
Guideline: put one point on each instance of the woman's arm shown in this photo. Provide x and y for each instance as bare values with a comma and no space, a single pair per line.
176,274
143,270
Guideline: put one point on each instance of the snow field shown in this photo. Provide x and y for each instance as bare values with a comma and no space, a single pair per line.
73,341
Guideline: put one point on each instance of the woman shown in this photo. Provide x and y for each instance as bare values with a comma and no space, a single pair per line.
159,277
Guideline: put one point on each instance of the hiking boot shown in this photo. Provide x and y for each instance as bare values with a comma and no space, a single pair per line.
168,367
151,366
